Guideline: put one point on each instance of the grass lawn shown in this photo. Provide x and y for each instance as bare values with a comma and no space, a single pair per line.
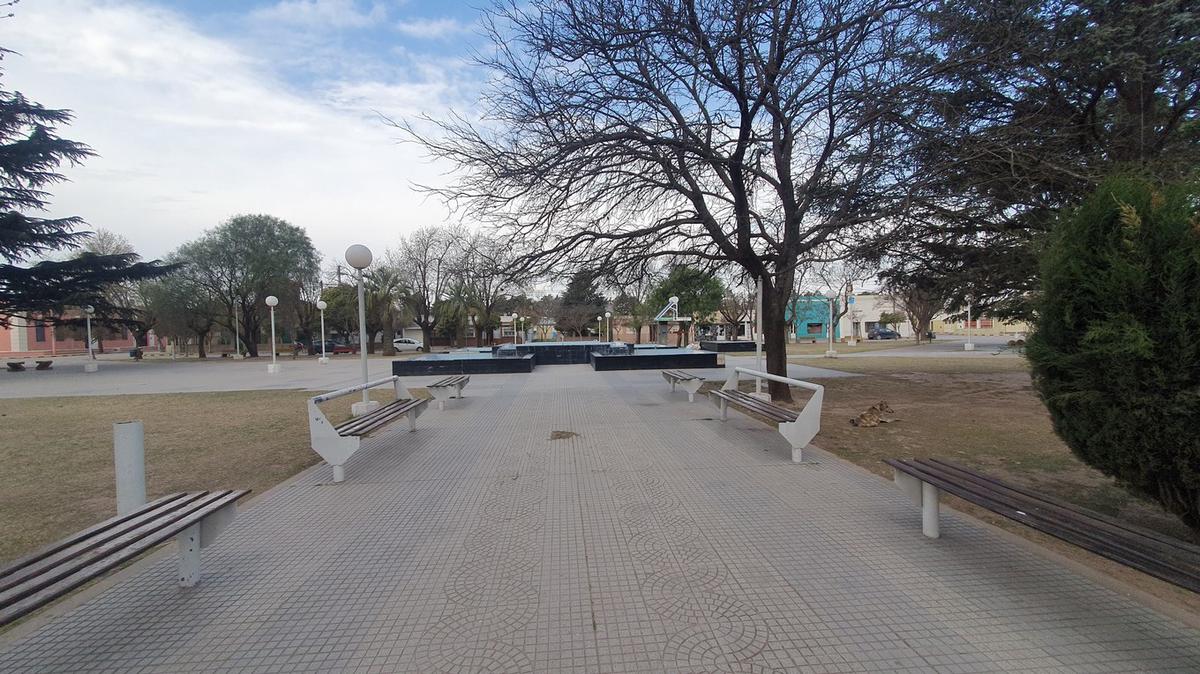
984,414
58,452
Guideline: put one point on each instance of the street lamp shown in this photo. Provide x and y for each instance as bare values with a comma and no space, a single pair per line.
608,325
831,296
969,346
322,305
273,366
91,365
359,257
599,323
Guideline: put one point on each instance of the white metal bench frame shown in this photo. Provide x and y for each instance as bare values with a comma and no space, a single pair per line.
443,393
336,449
798,433
692,384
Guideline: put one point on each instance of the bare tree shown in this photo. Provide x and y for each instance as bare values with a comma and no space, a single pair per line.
621,130
430,259
841,275
491,273
920,297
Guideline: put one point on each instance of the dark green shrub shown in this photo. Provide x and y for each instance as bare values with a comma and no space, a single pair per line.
1116,348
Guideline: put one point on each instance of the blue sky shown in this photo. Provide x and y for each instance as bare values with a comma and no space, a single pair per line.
203,109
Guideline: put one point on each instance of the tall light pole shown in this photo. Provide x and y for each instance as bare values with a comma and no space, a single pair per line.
237,333
322,305
599,325
91,365
359,257
969,346
273,366
832,297
608,326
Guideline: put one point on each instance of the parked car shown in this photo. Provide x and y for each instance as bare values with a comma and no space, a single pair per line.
343,348
407,344
883,333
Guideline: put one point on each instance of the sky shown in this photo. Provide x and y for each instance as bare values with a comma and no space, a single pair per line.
203,109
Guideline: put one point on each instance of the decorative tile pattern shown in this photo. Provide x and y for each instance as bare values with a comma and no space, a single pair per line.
644,537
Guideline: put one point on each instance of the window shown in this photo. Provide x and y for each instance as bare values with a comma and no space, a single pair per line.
816,328
507,331
39,333
470,330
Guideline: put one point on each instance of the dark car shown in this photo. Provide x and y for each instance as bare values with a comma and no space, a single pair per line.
883,333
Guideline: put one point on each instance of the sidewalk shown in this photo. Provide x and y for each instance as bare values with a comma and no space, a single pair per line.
647,538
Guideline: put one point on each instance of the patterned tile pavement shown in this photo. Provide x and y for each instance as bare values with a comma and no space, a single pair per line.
645,537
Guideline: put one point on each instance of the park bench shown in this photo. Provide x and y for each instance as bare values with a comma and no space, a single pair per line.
194,519
43,364
450,387
690,382
797,428
336,444
1160,556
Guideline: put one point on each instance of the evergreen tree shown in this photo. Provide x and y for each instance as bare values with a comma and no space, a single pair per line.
30,155
1115,353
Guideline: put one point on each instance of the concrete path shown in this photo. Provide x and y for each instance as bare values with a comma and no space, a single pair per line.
573,521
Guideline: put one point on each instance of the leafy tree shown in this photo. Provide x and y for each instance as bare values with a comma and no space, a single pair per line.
891,319
920,297
32,153
580,303
245,259
182,308
1114,351
341,314
1025,107
699,293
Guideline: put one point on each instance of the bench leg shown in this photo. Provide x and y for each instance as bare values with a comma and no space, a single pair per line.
339,473
441,406
691,397
672,386
189,555
412,421
929,510
724,410
458,392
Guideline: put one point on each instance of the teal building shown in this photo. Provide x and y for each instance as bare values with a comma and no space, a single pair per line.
809,314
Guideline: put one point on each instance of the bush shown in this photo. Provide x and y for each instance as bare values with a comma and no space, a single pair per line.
1116,349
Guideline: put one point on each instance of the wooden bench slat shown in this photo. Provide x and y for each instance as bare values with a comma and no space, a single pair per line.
15,604
52,548
369,422
1075,532
1105,522
679,374
449,381
1129,545
66,551
745,400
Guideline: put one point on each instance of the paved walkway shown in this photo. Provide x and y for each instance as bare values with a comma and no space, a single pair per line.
646,538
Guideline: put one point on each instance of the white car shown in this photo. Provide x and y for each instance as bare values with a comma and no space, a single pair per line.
406,344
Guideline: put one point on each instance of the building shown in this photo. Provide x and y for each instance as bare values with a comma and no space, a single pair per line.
809,316
26,336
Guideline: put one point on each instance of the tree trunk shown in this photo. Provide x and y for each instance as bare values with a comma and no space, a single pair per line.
775,341
427,337
201,352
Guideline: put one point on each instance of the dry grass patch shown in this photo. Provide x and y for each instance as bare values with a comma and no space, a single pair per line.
819,348
59,463
923,364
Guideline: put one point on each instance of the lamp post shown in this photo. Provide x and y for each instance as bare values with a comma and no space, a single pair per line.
273,366
831,296
599,324
91,365
359,257
237,333
608,325
322,305
969,346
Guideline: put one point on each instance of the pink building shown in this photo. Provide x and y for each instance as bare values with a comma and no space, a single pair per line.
25,336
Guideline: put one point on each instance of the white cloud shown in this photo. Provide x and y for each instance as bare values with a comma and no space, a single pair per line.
322,13
432,29
191,129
